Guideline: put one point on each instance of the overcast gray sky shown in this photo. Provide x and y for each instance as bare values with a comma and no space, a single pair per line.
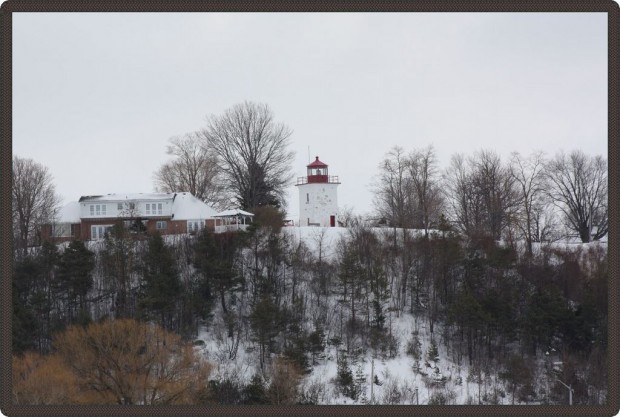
97,96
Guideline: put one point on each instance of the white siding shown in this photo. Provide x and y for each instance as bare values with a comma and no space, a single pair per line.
317,202
112,211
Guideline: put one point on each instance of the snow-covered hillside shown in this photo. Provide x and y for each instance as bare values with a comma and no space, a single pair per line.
400,378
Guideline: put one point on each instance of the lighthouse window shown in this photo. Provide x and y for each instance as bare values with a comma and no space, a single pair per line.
307,198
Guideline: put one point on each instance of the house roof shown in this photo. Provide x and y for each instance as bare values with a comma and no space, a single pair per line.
188,207
184,205
69,213
233,212
317,164
124,197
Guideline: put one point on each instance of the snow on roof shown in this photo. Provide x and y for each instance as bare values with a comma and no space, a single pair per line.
188,207
69,213
233,212
133,197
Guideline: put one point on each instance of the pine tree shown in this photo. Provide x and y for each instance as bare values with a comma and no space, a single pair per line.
360,384
433,352
214,259
24,325
344,377
119,264
160,286
255,393
74,274
265,325
316,341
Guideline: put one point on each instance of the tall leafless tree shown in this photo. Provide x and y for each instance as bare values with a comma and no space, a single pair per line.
426,187
465,207
528,175
34,201
252,152
193,169
482,194
578,187
393,190
407,190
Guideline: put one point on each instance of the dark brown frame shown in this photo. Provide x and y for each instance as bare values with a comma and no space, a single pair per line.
12,6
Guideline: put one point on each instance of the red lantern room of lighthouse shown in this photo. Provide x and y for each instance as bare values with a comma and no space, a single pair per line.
318,198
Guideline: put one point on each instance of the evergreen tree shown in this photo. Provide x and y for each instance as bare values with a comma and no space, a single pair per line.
316,343
433,352
350,276
344,377
36,301
360,384
160,286
517,373
265,325
215,260
225,391
74,274
545,312
119,263
255,393
24,325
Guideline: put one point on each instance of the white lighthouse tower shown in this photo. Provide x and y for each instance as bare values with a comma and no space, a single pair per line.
318,197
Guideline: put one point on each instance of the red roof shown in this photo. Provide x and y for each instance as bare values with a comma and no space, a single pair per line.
317,164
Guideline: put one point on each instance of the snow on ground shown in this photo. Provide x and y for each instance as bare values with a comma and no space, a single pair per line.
327,238
396,376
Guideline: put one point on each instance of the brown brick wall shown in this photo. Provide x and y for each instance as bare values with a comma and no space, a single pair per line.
82,231
46,234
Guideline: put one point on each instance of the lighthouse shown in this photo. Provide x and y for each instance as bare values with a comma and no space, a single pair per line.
318,197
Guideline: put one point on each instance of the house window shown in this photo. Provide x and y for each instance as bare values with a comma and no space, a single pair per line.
119,206
161,225
98,209
98,232
194,226
61,230
154,208
132,206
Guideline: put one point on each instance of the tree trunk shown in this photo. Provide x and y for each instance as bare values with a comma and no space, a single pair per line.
584,233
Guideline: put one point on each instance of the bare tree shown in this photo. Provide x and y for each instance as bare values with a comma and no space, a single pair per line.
129,362
482,194
252,153
425,186
496,186
465,207
34,201
193,169
530,181
578,187
393,189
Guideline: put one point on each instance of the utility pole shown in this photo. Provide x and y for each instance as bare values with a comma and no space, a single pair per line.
570,391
